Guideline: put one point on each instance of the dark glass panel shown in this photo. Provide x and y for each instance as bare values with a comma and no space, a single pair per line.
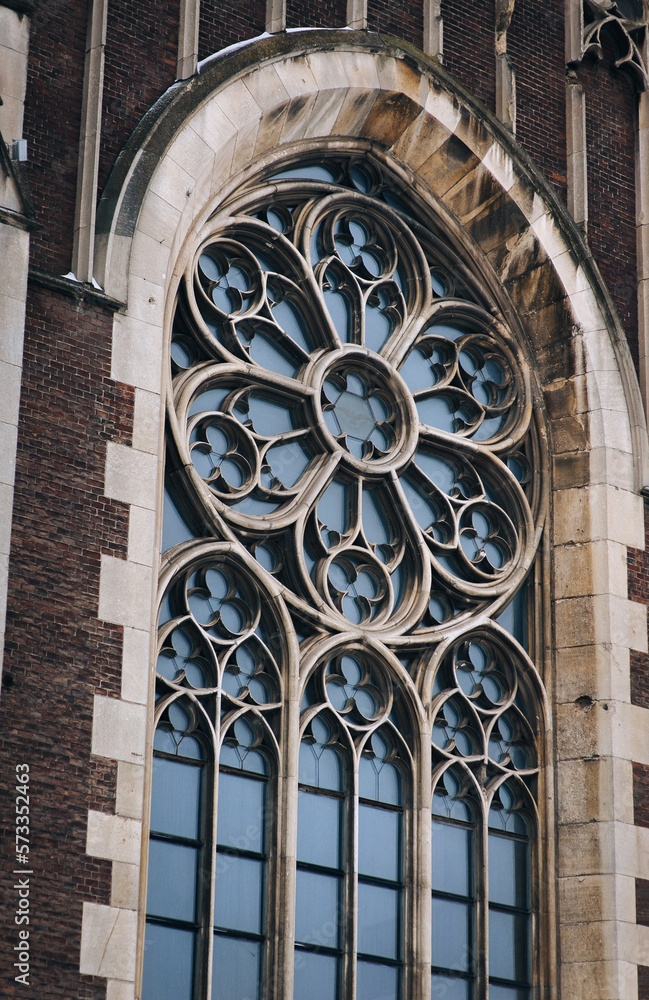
376,525
507,993
376,982
235,970
287,315
171,890
318,830
241,816
514,617
175,798
451,938
316,909
452,850
450,988
316,976
508,945
379,851
238,893
508,881
168,963
378,921
174,528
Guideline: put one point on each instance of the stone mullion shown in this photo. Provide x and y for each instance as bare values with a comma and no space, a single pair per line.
188,39
89,143
576,149
642,241
275,16
433,29
357,14
505,75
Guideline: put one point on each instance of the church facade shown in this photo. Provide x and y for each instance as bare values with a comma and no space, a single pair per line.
323,584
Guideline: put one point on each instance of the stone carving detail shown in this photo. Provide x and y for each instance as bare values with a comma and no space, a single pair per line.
625,21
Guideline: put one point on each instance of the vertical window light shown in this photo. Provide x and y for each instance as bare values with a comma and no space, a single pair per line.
453,881
380,873
320,867
175,856
509,898
240,875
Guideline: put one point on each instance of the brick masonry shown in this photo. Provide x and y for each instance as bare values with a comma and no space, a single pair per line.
58,655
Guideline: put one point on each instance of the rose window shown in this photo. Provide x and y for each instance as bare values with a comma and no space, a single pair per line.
353,505
351,400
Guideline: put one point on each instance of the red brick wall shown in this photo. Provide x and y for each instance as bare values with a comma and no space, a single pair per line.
469,46
610,123
641,794
224,24
403,20
141,55
638,571
535,43
58,655
316,14
52,121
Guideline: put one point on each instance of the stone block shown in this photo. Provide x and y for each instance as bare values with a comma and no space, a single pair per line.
135,665
130,790
117,838
108,940
118,730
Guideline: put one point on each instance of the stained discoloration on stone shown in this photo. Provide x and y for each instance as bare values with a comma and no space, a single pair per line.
390,116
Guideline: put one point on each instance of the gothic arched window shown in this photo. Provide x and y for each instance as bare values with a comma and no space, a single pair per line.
345,769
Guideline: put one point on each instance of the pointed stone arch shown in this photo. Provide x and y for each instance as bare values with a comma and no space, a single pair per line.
274,99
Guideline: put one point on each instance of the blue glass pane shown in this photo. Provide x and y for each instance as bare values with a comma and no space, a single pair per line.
235,971
438,470
317,909
209,401
514,617
437,411
378,327
379,849
171,887
290,318
175,798
416,371
174,528
255,507
451,935
378,921
376,526
508,880
288,462
313,172
376,982
271,355
333,507
238,886
449,988
340,311
269,418
451,859
320,767
379,781
508,945
316,976
168,963
242,813
318,829
506,993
